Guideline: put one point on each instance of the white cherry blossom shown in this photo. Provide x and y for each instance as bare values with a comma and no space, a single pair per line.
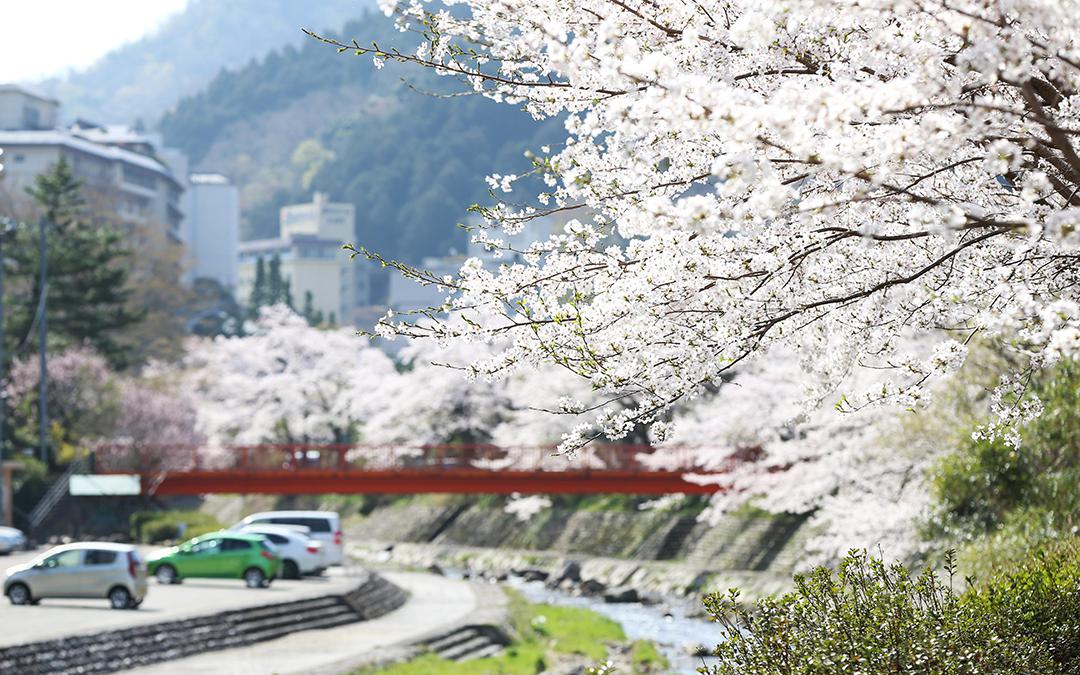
830,177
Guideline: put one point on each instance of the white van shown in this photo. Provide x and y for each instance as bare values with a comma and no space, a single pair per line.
325,526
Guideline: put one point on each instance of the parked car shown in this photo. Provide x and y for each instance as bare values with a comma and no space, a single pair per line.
300,553
325,526
11,540
218,555
84,570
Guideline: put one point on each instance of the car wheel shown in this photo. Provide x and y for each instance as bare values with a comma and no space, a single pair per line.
120,598
166,574
19,594
254,578
290,570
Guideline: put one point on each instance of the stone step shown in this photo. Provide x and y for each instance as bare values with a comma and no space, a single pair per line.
274,610
451,639
466,650
311,624
493,649
295,618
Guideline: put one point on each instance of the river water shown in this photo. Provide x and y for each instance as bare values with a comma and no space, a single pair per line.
666,624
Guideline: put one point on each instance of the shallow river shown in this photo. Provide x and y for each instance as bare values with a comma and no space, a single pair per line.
665,624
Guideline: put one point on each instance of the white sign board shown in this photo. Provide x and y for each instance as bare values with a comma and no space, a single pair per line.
104,486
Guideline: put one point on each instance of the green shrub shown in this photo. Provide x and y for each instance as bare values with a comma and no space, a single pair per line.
869,617
157,531
1039,598
979,485
152,527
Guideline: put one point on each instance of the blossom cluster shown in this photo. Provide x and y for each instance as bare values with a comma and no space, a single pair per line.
829,177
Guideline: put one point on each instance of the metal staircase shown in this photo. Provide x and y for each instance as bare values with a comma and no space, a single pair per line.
56,493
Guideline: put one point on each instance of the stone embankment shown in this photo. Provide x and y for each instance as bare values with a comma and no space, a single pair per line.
623,556
115,650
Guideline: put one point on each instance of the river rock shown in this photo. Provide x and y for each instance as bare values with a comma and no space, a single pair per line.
621,594
435,569
591,587
532,574
570,571
649,598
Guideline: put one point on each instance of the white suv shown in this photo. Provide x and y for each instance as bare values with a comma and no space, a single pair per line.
300,553
85,570
324,525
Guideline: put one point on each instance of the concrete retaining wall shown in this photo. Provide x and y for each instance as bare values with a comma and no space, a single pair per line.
111,651
749,541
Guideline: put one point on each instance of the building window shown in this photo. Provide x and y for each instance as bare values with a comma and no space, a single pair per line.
31,117
140,177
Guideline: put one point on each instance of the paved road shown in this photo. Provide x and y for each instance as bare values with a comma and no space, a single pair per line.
435,603
61,618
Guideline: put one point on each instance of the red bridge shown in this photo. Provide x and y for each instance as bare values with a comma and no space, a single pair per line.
400,469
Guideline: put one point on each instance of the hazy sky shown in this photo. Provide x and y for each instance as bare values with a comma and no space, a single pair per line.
39,38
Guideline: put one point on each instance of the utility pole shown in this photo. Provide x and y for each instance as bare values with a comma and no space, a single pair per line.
4,229
43,382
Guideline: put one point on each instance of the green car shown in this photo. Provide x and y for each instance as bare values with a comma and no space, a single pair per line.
218,555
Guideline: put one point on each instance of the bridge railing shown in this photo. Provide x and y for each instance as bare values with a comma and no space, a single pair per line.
156,458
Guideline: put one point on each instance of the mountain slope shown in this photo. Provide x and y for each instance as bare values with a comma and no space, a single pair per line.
305,119
143,79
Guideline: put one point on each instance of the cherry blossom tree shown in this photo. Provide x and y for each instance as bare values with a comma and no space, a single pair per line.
824,176
83,396
128,417
862,476
285,382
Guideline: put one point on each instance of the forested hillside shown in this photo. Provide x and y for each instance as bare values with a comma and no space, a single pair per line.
143,79
305,119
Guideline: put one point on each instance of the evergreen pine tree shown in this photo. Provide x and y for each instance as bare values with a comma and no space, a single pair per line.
258,290
275,283
313,316
87,273
287,295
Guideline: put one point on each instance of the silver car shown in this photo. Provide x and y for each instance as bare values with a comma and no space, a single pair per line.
84,570
11,540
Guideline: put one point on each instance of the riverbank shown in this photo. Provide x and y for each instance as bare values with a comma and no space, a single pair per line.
650,580
548,638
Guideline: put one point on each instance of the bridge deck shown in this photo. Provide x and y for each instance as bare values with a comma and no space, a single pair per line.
459,481
319,469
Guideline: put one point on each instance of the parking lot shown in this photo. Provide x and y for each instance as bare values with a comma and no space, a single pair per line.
56,618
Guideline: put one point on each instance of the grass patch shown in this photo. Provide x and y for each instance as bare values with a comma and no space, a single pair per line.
566,630
646,658
541,630
522,659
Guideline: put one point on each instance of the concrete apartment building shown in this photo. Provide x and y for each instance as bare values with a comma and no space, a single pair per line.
309,247
212,229
120,168
21,109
